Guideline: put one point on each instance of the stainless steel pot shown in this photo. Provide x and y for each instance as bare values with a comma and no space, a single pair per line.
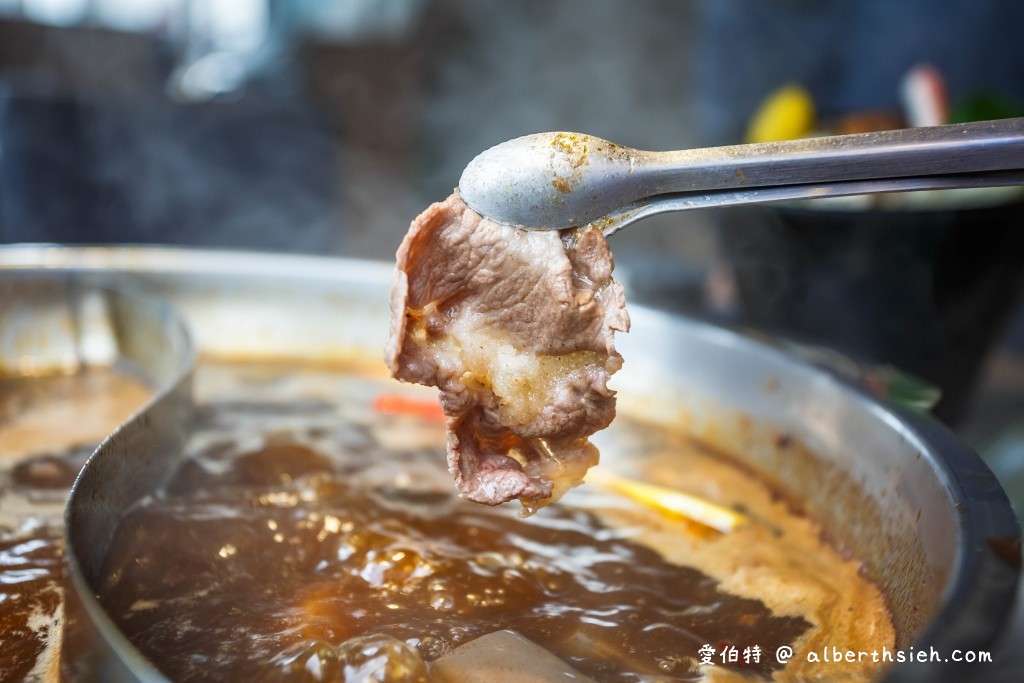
897,490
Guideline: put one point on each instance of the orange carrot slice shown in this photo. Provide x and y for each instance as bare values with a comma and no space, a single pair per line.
396,404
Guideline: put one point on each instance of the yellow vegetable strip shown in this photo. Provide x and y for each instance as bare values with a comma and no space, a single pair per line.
669,501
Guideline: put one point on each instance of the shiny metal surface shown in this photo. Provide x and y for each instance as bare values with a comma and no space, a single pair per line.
560,180
127,465
688,201
898,491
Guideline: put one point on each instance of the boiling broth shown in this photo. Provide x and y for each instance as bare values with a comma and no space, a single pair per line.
48,427
306,533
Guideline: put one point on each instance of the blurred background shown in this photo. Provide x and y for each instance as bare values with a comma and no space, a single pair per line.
325,126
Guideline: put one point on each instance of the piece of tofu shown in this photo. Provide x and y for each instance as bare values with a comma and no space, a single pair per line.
504,657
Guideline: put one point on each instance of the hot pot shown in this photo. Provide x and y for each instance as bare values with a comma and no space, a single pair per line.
895,489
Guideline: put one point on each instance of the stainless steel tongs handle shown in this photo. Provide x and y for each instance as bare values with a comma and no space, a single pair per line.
686,201
910,152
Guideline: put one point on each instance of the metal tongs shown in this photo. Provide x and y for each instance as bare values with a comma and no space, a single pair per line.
562,180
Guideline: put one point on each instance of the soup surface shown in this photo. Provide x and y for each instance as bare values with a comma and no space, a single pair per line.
311,532
48,428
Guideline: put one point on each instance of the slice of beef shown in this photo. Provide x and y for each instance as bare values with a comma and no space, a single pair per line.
516,329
